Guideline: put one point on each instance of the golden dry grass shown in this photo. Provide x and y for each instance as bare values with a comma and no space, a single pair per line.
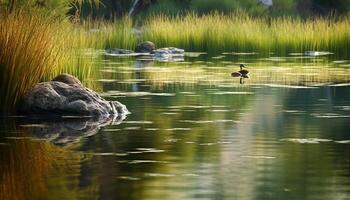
28,50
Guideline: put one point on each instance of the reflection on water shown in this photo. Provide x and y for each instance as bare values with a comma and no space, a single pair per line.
69,129
194,133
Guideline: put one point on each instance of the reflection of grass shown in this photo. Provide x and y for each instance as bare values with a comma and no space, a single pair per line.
239,32
279,71
260,73
24,166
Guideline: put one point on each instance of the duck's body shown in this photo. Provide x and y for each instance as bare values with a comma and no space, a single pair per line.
236,74
241,73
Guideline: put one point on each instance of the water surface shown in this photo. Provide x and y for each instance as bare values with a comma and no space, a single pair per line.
194,133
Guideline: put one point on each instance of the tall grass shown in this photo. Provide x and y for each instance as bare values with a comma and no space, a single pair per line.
101,34
240,32
28,49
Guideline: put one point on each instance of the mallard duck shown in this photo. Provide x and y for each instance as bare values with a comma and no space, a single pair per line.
241,73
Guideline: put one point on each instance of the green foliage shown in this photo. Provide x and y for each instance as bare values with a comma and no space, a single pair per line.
204,6
305,8
284,8
171,8
47,7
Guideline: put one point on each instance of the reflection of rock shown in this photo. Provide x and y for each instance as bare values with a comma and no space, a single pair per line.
145,47
317,53
118,51
68,131
65,95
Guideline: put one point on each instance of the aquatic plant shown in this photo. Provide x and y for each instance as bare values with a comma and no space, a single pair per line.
241,32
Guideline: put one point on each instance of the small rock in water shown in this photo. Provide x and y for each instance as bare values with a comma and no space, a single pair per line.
145,47
65,95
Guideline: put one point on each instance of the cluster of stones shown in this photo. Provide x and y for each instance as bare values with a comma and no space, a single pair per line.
148,48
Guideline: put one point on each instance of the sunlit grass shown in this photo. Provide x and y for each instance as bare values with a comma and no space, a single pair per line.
34,47
28,50
240,32
101,34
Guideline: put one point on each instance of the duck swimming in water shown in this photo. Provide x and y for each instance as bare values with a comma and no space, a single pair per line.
241,73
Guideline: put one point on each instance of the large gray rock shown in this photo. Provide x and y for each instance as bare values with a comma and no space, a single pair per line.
65,95
145,47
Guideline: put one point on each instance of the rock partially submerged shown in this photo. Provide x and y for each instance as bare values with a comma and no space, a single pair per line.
145,47
65,95
148,49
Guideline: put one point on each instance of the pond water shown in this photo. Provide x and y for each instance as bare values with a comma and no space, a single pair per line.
194,132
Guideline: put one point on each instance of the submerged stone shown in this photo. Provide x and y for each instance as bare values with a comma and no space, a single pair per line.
119,51
65,95
68,129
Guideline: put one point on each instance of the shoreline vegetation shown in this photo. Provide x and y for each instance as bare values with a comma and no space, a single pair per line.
34,47
240,32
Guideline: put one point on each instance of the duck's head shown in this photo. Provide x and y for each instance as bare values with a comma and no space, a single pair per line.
242,66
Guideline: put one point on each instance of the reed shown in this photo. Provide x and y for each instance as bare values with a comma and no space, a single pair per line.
239,32
33,47
28,49
116,34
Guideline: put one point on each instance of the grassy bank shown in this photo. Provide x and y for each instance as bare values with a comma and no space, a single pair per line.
34,47
240,32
